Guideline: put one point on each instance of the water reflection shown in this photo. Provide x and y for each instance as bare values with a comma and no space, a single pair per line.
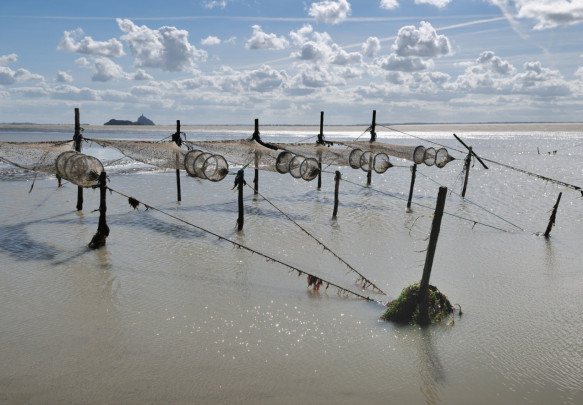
109,284
430,367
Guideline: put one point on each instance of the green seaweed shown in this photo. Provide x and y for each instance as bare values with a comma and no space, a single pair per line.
405,309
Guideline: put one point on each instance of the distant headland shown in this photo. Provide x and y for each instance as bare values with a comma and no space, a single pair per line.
141,121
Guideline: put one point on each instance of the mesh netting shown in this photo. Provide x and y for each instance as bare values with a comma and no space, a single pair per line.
165,155
78,168
325,154
205,165
37,156
442,157
208,159
368,161
309,169
295,165
282,162
381,163
417,154
240,152
354,158
429,158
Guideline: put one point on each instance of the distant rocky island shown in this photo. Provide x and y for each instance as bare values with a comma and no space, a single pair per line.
141,121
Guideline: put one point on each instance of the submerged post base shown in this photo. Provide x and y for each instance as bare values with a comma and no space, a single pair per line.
405,309
99,238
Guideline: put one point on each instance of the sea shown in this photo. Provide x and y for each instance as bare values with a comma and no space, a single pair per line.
173,310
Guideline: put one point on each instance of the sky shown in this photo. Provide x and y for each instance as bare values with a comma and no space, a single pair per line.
217,62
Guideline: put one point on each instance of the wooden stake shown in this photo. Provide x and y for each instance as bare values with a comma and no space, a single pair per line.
468,161
435,227
413,174
78,138
553,217
373,138
373,134
320,141
337,178
98,239
178,141
240,183
256,178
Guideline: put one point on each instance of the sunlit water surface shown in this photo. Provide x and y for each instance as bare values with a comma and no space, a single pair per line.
166,313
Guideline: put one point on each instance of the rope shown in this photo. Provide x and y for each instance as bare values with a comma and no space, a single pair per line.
241,246
363,132
421,139
307,139
362,277
562,183
471,202
427,207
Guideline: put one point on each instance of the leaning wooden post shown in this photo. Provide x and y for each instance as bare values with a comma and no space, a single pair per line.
553,217
413,174
178,142
256,178
320,141
78,138
337,178
467,168
424,285
240,183
98,239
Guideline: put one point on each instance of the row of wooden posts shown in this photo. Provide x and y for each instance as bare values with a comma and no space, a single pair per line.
240,181
99,238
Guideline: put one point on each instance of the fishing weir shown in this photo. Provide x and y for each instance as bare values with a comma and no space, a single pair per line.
214,160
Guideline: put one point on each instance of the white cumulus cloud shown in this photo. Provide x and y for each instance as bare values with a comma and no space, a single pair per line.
389,4
262,40
165,48
395,62
546,13
371,47
6,59
106,70
64,77
492,75
88,46
332,12
139,75
422,42
83,62
215,3
436,3
321,49
9,76
495,64
262,80
299,37
210,41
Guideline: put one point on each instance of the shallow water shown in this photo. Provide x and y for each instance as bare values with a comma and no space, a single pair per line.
168,313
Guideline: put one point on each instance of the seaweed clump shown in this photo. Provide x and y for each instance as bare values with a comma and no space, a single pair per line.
405,309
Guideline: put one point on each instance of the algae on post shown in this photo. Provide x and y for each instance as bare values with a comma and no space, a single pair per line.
405,309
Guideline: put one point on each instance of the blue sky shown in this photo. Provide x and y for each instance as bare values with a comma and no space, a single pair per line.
284,61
